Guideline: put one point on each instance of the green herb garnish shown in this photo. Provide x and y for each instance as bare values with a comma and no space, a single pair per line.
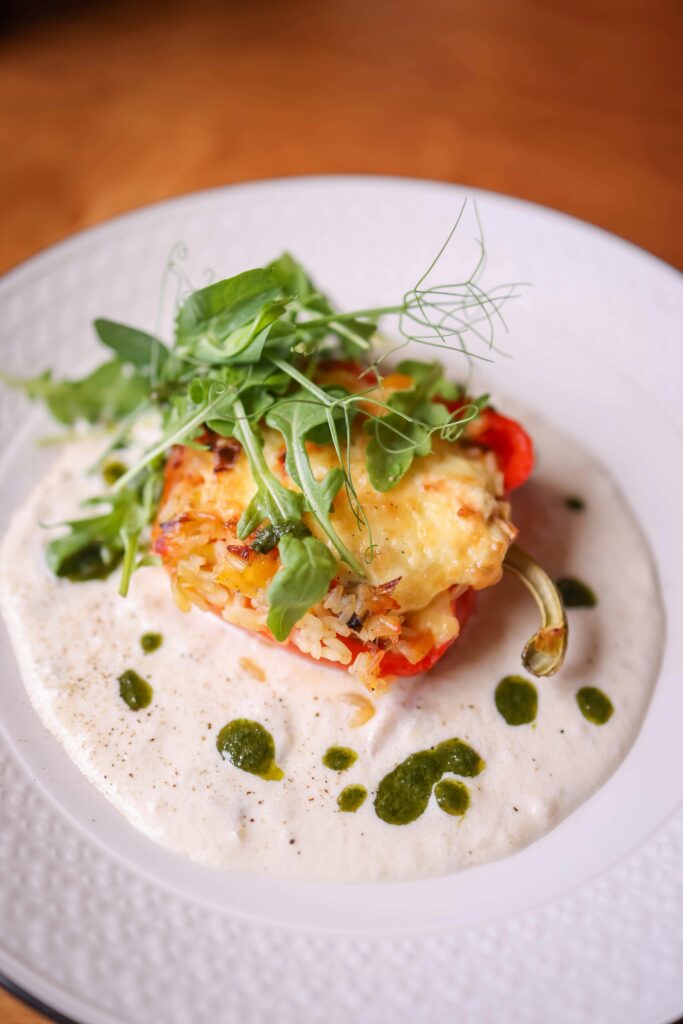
96,545
405,432
245,353
106,395
302,580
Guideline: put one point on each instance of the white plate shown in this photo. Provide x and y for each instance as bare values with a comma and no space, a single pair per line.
586,924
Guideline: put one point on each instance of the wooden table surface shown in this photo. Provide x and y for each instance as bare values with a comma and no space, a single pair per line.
576,105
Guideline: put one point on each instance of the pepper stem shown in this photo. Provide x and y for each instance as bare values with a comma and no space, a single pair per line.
545,651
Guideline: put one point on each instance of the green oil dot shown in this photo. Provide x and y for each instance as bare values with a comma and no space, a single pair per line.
452,796
575,504
517,700
135,690
351,798
113,471
403,794
249,747
576,594
151,642
594,705
339,759
457,757
92,562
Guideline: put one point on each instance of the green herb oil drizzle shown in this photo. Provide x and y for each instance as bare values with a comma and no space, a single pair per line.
403,794
249,747
452,796
351,798
113,471
151,642
339,759
576,594
594,705
517,700
135,690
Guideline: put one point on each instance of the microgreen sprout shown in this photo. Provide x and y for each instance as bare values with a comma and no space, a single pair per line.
545,651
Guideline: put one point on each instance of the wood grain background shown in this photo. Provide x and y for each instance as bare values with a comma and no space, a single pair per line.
575,103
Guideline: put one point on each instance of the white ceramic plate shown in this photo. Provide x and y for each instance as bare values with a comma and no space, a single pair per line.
586,924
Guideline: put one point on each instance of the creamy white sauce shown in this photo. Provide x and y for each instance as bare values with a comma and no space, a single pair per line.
160,766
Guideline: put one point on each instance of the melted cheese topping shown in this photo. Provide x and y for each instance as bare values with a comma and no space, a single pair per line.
443,525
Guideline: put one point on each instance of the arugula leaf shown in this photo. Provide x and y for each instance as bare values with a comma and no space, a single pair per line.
341,416
107,394
395,439
272,501
257,388
307,569
295,417
137,348
268,536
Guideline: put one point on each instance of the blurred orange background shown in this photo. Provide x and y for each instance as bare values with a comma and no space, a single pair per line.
573,104
105,107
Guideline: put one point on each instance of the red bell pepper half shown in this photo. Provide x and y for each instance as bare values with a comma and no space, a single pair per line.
506,438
